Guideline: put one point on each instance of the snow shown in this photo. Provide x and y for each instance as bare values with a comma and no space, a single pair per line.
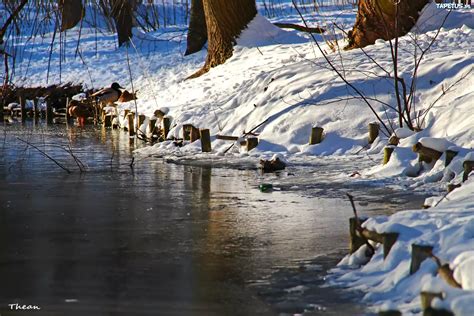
279,77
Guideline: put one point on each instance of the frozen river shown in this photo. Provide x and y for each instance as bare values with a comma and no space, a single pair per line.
169,239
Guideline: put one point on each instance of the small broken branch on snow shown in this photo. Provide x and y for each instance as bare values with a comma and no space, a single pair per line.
301,28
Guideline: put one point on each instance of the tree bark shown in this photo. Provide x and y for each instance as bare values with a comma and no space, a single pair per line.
122,13
383,19
197,32
72,12
225,19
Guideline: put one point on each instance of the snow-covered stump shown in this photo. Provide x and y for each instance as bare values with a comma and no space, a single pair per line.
468,166
387,153
374,129
418,254
205,140
450,154
316,135
166,126
49,114
394,140
426,154
131,128
251,143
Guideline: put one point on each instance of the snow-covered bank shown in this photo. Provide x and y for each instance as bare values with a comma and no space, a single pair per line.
280,78
448,228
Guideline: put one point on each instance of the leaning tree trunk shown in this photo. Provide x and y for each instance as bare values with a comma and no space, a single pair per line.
225,19
383,19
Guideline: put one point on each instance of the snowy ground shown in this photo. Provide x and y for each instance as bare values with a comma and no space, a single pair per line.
281,77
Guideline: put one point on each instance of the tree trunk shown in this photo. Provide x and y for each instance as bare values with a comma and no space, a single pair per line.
72,12
225,19
122,13
197,32
383,19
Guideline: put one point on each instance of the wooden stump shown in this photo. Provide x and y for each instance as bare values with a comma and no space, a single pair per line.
387,153
374,129
152,126
251,143
450,154
468,167
389,239
131,128
190,133
316,135
108,121
356,240
49,114
68,117
394,140
205,140
418,254
141,120
426,154
166,126
23,109
427,298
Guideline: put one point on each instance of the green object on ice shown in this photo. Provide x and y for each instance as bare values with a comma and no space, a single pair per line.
264,187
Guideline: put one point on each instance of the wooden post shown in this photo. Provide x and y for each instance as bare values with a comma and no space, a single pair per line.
107,120
427,298
205,140
374,129
36,111
356,240
394,140
389,239
450,154
68,117
151,126
387,153
49,114
141,120
166,126
131,128
251,143
468,167
426,154
194,135
22,109
186,132
316,135
418,254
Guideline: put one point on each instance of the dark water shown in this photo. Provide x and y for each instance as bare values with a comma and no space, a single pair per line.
164,239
